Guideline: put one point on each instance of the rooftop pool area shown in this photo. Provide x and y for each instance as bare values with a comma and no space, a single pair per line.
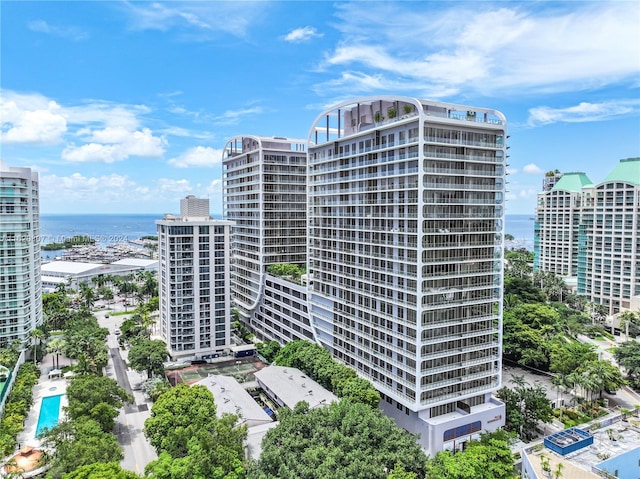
49,413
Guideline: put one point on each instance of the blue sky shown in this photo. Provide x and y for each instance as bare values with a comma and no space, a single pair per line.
124,106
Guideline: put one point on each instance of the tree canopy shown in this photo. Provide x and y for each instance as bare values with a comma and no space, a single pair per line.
318,364
488,458
86,342
96,397
344,440
77,443
101,470
191,441
148,355
525,406
628,356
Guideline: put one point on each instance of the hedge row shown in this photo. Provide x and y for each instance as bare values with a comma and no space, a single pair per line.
17,407
318,364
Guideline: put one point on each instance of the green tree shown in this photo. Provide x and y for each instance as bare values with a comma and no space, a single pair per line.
154,387
518,264
489,458
87,295
269,350
177,415
149,287
525,407
398,472
567,357
96,397
79,443
105,292
148,355
627,355
318,364
86,342
191,442
524,289
216,454
629,321
343,440
598,312
101,470
595,377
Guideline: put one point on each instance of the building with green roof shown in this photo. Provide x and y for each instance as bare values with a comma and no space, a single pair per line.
589,234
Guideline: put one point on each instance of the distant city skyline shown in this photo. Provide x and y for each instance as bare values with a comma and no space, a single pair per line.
124,107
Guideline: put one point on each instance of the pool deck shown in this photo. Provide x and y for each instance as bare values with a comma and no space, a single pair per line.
44,388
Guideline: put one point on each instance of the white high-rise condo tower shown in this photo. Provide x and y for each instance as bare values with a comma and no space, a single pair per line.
194,252
265,195
20,290
405,260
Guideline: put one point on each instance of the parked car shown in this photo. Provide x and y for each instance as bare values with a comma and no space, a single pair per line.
106,315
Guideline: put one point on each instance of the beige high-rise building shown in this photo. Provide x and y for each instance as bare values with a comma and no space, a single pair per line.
589,234
194,276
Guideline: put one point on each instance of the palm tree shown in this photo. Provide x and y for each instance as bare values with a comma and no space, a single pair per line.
37,335
150,285
87,294
627,318
598,312
56,346
560,381
511,300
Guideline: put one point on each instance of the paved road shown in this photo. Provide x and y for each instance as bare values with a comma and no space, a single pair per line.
130,423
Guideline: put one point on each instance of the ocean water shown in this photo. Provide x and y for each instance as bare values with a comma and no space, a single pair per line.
521,228
114,228
104,229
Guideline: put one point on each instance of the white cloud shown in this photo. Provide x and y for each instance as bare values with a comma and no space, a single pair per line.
517,47
80,188
115,144
42,26
233,117
202,20
110,190
30,119
215,187
200,156
531,169
168,185
584,112
300,35
105,114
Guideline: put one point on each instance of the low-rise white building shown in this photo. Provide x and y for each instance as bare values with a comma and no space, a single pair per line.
288,386
72,273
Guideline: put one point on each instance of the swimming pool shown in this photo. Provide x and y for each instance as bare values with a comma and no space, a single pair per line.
624,466
49,413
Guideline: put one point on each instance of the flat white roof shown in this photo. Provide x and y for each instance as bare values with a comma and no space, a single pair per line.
52,279
292,386
231,397
69,267
144,263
